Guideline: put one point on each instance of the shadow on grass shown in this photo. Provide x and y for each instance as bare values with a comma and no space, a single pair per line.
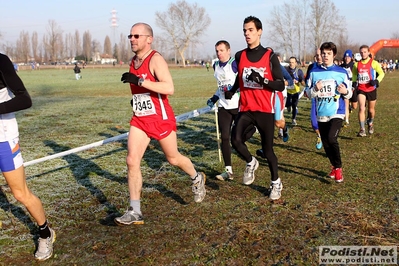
81,169
17,211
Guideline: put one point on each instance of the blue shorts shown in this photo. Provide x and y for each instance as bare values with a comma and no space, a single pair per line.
10,155
279,106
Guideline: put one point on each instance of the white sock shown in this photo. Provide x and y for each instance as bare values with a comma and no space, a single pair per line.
278,181
135,204
229,169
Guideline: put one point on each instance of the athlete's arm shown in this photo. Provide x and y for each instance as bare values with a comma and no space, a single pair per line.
277,83
159,69
354,72
11,80
287,76
378,69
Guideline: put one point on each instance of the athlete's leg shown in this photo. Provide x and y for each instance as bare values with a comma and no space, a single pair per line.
243,123
371,109
346,111
361,99
265,124
294,105
174,157
329,134
16,180
225,120
137,143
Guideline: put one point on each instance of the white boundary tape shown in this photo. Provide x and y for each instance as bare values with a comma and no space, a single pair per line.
179,118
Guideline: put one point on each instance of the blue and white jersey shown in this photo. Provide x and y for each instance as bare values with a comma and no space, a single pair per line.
225,74
329,103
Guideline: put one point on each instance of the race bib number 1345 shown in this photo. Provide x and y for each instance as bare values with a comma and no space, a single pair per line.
143,105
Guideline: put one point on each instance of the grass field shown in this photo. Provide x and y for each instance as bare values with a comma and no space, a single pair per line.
234,225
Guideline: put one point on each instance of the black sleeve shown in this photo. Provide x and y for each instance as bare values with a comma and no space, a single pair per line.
277,84
301,75
11,80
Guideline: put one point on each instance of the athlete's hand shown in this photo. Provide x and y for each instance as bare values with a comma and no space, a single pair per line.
341,88
318,85
375,83
256,77
129,77
354,85
211,101
228,95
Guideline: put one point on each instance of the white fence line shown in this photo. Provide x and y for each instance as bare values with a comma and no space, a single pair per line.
179,118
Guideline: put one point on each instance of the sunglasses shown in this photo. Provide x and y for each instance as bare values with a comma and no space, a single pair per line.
136,36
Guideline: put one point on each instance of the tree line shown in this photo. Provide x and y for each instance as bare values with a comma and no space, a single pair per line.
295,28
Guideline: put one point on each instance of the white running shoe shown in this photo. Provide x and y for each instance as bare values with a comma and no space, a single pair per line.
249,174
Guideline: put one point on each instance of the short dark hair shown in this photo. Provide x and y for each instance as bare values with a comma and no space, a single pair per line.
365,46
329,46
255,20
226,43
293,57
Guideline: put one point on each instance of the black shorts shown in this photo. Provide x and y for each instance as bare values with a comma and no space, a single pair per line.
370,96
353,99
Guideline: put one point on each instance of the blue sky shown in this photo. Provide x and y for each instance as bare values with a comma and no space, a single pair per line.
367,20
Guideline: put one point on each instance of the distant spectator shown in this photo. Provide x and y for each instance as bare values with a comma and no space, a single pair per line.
76,69
207,66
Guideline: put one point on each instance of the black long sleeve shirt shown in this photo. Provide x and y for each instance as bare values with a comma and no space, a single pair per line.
9,79
254,55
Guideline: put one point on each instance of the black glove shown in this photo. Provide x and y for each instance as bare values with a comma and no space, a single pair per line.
228,95
256,77
129,77
211,101
131,102
354,85
375,83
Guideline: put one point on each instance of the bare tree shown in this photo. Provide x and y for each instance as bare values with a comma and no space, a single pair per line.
107,45
326,23
87,45
116,52
23,47
70,46
297,28
35,46
124,48
95,50
45,52
9,50
184,24
78,44
281,28
54,40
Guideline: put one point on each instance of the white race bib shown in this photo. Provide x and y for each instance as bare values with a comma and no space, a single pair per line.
249,83
328,89
363,77
143,105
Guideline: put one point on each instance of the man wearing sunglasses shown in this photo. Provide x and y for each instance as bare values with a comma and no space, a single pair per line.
150,84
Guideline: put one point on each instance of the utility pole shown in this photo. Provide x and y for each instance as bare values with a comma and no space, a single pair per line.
114,23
